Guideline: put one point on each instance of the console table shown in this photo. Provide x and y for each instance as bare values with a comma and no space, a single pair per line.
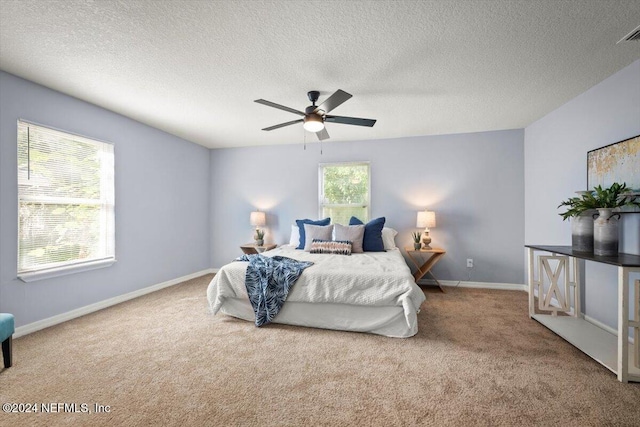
559,270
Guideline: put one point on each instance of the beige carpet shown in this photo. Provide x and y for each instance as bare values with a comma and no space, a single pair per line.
162,359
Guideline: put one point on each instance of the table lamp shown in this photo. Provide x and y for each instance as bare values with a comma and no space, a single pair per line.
426,219
258,219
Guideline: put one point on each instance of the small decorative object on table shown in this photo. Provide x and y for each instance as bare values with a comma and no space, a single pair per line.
416,240
581,211
605,233
605,227
259,237
599,236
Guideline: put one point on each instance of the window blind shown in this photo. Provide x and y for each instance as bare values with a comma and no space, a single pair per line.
65,199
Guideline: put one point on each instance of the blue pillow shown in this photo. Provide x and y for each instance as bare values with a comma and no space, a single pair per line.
372,241
302,222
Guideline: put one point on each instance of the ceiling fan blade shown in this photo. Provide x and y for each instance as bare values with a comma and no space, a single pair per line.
278,106
350,120
281,125
322,134
334,101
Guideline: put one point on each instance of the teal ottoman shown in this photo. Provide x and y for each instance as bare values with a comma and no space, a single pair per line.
7,328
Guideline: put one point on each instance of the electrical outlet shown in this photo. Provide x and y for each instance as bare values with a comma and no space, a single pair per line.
469,263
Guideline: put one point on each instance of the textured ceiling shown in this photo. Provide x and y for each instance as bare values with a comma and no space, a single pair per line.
193,68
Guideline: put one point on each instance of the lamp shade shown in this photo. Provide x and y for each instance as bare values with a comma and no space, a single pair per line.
426,219
259,219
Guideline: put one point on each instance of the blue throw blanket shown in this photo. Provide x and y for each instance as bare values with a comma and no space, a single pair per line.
268,280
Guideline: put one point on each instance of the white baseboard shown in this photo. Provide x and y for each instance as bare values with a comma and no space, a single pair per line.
54,320
477,285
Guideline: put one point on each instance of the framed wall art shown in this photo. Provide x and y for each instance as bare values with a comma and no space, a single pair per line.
618,162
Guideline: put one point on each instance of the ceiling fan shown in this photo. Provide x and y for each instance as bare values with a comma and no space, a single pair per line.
315,116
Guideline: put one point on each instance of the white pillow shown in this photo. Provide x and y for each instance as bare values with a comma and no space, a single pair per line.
352,233
322,232
389,238
295,236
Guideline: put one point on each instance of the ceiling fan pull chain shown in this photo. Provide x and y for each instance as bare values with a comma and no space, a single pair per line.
305,139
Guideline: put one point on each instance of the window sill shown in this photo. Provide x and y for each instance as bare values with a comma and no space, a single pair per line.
63,271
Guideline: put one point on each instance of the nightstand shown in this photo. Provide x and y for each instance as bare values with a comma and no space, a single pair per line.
251,248
424,260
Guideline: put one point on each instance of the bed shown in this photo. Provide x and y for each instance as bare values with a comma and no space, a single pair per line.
370,292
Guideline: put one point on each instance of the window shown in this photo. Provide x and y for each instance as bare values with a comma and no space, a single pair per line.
344,191
65,202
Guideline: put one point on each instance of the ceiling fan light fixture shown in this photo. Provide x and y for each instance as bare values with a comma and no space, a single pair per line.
313,123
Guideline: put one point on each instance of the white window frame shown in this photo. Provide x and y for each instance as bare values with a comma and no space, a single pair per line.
72,266
322,204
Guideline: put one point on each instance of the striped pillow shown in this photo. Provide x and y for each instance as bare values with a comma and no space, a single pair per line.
338,247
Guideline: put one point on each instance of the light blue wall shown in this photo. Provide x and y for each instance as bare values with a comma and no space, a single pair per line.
556,165
181,208
162,204
474,183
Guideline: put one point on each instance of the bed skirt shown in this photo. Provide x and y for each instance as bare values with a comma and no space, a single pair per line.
387,321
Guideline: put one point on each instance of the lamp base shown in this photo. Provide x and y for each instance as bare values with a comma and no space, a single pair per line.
426,241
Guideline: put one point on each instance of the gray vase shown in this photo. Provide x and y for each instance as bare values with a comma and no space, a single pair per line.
605,233
582,232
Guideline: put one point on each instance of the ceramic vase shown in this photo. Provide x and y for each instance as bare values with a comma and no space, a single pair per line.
582,232
605,233
416,246
259,242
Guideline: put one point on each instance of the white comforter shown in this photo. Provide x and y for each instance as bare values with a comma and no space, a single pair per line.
368,279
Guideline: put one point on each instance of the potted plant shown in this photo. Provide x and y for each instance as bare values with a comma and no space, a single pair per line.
581,210
259,237
599,236
416,239
608,202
